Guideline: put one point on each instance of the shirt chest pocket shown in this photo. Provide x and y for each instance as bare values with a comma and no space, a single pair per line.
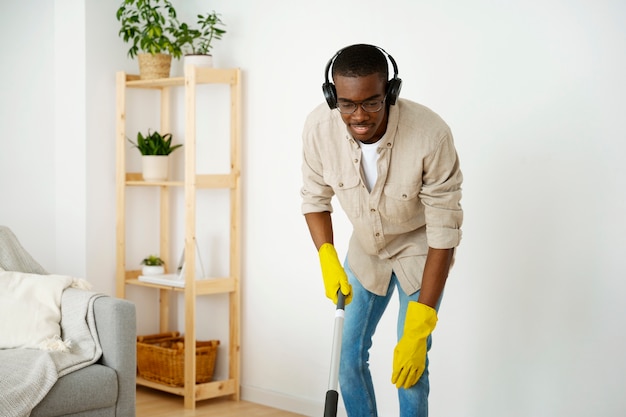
348,191
400,202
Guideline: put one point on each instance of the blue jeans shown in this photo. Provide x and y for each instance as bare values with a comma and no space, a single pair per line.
361,318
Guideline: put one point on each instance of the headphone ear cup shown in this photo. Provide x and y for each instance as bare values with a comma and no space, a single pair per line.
330,94
393,90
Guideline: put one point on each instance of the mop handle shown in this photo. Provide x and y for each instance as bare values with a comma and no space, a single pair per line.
333,381
341,300
332,395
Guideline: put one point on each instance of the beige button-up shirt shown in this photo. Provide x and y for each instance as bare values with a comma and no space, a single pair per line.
414,204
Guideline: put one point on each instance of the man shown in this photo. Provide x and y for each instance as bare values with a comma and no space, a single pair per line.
393,167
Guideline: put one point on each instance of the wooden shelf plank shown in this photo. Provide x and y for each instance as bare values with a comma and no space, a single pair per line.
155,385
216,389
202,181
216,180
203,286
204,391
204,76
133,81
216,76
215,286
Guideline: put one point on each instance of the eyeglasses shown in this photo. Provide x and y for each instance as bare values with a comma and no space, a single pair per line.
370,106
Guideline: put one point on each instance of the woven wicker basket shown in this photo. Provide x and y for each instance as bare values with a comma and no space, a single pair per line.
161,358
154,66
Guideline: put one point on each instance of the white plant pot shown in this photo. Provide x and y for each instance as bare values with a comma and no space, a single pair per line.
155,167
152,270
204,61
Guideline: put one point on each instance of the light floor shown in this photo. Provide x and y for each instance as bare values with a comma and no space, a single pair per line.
154,403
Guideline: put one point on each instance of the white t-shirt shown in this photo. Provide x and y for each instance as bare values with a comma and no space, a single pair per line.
368,163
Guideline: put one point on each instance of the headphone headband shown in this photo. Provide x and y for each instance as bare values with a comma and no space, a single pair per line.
393,86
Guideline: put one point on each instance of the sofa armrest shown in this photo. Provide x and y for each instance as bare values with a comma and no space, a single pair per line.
116,326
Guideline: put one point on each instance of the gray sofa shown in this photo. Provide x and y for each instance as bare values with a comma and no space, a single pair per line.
105,388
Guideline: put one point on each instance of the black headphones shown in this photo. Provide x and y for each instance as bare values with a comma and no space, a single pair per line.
393,86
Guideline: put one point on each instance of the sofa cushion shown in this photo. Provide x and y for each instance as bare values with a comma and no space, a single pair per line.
91,388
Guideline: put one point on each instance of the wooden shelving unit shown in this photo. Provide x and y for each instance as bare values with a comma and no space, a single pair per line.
192,183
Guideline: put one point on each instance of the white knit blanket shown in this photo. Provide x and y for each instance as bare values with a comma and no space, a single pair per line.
26,375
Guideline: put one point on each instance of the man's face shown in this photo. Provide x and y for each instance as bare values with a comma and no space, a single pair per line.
364,126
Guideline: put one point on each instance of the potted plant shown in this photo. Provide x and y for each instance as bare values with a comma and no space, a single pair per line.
152,265
149,26
196,44
155,149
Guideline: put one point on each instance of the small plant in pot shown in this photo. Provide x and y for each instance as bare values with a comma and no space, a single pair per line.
155,150
149,26
196,44
153,265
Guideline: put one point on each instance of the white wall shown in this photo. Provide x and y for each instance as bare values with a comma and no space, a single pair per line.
534,92
27,173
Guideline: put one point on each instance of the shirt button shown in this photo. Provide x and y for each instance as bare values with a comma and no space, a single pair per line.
340,184
373,210
388,145
404,196
377,234
356,161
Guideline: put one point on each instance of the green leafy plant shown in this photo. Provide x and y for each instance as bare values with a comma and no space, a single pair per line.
149,26
199,41
155,143
153,260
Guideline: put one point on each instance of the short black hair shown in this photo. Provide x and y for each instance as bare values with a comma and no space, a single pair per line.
360,60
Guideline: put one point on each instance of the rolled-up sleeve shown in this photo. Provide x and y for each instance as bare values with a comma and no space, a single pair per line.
441,195
315,192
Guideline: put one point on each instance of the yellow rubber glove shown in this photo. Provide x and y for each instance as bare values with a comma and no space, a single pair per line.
409,357
334,275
